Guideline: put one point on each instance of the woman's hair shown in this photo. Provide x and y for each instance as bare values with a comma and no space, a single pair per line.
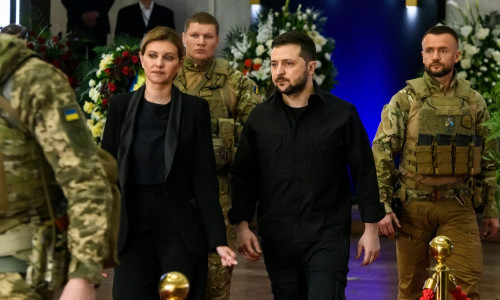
17,30
163,33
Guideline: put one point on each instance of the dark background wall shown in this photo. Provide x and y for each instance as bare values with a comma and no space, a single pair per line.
377,47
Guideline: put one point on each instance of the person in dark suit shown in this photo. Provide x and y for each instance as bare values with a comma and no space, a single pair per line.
170,215
88,23
137,19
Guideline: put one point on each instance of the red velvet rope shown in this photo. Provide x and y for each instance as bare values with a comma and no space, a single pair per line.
457,294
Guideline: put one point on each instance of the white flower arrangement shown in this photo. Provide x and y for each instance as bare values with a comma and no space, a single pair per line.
249,50
480,49
112,75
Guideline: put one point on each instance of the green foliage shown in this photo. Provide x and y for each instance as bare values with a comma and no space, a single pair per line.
111,73
494,124
479,36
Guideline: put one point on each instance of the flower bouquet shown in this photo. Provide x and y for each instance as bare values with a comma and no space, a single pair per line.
249,50
55,50
480,49
117,67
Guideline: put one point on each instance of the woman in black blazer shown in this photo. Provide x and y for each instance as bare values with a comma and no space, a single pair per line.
170,216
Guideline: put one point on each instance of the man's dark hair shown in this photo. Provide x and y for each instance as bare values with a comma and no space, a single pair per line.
441,29
307,47
202,18
14,29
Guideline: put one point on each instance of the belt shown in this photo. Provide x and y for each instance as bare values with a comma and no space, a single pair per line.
432,192
431,188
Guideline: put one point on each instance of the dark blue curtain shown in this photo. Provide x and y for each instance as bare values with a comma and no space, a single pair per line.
378,45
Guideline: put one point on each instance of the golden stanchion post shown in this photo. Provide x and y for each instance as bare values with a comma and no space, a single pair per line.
173,286
441,248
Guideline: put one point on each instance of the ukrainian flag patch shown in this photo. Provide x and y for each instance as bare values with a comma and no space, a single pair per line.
71,114
255,90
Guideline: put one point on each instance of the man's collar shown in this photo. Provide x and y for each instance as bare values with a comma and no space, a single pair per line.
435,86
318,94
190,65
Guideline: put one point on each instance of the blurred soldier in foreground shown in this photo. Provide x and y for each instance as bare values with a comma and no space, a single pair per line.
50,176
435,124
231,96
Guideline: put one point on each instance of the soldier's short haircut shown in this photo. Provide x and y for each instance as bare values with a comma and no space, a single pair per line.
307,47
202,18
14,29
163,33
441,29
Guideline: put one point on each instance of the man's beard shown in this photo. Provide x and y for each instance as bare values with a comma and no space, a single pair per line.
444,71
295,88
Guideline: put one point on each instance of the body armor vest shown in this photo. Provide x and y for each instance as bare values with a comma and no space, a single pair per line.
214,90
221,101
441,133
26,179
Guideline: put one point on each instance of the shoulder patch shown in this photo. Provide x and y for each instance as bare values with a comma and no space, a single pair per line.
70,114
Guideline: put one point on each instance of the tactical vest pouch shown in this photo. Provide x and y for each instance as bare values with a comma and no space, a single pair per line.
218,151
461,160
444,160
224,142
475,159
423,157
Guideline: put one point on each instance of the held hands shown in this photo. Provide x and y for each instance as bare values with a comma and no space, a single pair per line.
227,256
78,289
249,246
385,226
370,243
490,228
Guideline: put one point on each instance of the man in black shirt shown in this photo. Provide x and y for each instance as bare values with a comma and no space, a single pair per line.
293,163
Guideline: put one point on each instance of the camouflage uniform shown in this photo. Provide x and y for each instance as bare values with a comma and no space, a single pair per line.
437,181
231,96
53,128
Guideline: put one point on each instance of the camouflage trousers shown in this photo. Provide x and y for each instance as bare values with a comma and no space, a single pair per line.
14,287
219,277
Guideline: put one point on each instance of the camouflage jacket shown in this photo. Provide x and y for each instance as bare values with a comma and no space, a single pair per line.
47,106
239,92
392,131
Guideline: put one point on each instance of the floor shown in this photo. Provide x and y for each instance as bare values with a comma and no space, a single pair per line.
250,281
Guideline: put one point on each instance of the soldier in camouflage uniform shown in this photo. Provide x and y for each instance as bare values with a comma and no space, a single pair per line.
231,96
47,155
435,125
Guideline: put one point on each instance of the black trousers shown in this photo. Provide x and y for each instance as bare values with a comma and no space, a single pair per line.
153,248
313,270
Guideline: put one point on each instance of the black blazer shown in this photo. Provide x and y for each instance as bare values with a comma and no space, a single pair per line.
130,20
190,181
